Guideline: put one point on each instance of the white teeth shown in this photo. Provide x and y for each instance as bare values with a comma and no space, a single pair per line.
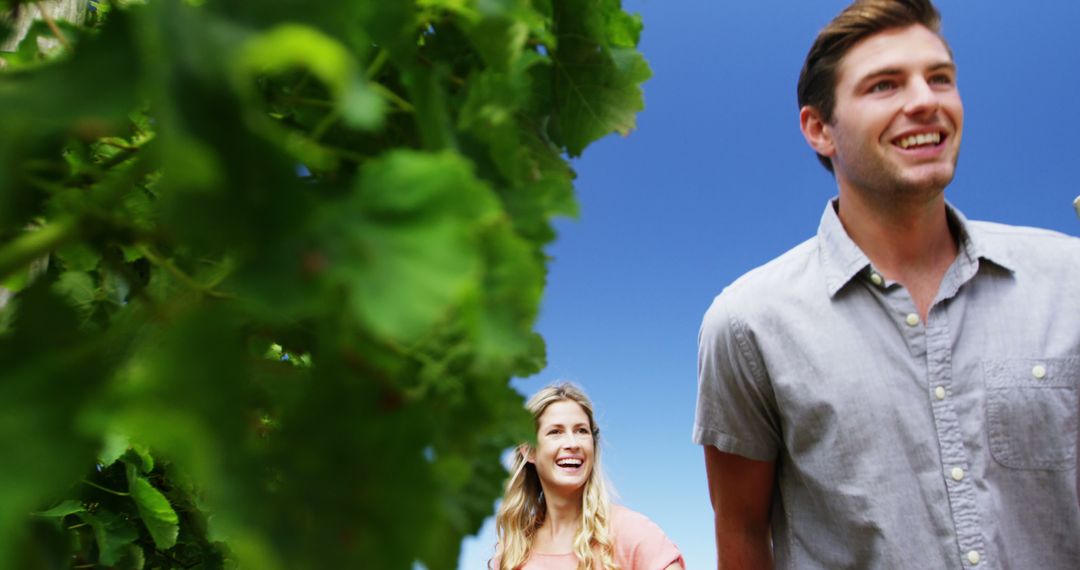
921,139
568,463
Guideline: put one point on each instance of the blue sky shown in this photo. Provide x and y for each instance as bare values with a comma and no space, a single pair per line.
717,180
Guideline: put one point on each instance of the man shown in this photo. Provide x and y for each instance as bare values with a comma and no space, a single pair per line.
901,390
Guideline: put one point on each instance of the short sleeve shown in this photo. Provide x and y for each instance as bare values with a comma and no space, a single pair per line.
640,544
736,407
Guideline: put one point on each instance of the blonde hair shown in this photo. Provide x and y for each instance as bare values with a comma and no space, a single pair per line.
523,509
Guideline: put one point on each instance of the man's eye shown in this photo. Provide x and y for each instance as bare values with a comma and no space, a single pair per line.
883,85
941,80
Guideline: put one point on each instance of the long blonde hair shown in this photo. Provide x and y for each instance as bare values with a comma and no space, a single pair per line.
523,509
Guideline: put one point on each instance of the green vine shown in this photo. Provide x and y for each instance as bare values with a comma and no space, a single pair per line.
270,266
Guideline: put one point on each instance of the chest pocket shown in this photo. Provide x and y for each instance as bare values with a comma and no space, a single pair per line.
1031,412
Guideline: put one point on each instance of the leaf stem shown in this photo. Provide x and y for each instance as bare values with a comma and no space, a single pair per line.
118,143
310,101
52,26
106,489
394,98
325,124
377,64
179,274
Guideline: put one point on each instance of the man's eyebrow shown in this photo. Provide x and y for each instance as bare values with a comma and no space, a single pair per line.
888,71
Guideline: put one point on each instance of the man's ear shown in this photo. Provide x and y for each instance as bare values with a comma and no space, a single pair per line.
816,131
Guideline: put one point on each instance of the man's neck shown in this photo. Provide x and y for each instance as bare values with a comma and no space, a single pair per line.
910,243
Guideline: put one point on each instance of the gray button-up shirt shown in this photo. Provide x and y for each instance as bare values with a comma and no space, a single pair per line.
898,443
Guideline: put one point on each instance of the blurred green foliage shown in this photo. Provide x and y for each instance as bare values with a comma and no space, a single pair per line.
273,265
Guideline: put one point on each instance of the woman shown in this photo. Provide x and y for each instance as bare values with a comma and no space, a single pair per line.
555,513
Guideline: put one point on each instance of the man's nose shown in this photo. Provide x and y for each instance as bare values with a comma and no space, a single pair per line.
921,98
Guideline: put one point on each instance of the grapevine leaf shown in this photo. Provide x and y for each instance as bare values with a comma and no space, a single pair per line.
513,285
139,457
45,99
68,507
366,189
154,509
79,257
114,446
597,77
50,369
403,243
429,98
112,533
500,30
292,45
78,287
490,113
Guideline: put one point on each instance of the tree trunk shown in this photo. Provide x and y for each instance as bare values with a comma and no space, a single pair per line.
23,16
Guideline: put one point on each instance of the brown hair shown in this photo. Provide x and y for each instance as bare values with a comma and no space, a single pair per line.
863,18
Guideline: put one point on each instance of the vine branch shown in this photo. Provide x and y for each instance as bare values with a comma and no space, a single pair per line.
52,26
106,489
34,244
176,272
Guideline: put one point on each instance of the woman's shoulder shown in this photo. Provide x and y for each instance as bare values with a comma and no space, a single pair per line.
625,520
639,542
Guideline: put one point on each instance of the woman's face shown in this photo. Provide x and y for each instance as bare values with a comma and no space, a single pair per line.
564,449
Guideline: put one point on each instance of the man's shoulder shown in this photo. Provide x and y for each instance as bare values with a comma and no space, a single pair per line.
997,230
794,273
1026,246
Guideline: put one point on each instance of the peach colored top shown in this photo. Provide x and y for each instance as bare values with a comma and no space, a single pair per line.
639,545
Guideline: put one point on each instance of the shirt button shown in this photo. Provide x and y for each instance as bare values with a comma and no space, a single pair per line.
939,392
1039,372
912,319
973,557
876,279
957,474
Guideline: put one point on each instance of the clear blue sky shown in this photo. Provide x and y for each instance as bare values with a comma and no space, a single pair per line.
717,180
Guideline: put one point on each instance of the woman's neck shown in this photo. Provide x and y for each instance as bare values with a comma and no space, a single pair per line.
562,519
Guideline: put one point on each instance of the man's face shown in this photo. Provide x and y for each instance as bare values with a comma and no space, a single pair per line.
898,117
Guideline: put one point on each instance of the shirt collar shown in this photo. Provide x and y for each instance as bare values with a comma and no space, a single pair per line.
842,260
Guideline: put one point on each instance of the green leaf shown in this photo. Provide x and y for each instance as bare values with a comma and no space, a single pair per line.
597,77
404,242
156,512
292,45
139,457
399,270
512,287
45,99
112,533
79,257
79,289
68,507
114,446
50,369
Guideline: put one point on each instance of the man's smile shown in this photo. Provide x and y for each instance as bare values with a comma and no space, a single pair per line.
933,138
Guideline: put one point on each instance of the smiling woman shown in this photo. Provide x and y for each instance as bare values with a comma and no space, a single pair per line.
556,514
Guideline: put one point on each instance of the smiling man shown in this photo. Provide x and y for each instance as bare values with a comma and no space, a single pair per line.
899,391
